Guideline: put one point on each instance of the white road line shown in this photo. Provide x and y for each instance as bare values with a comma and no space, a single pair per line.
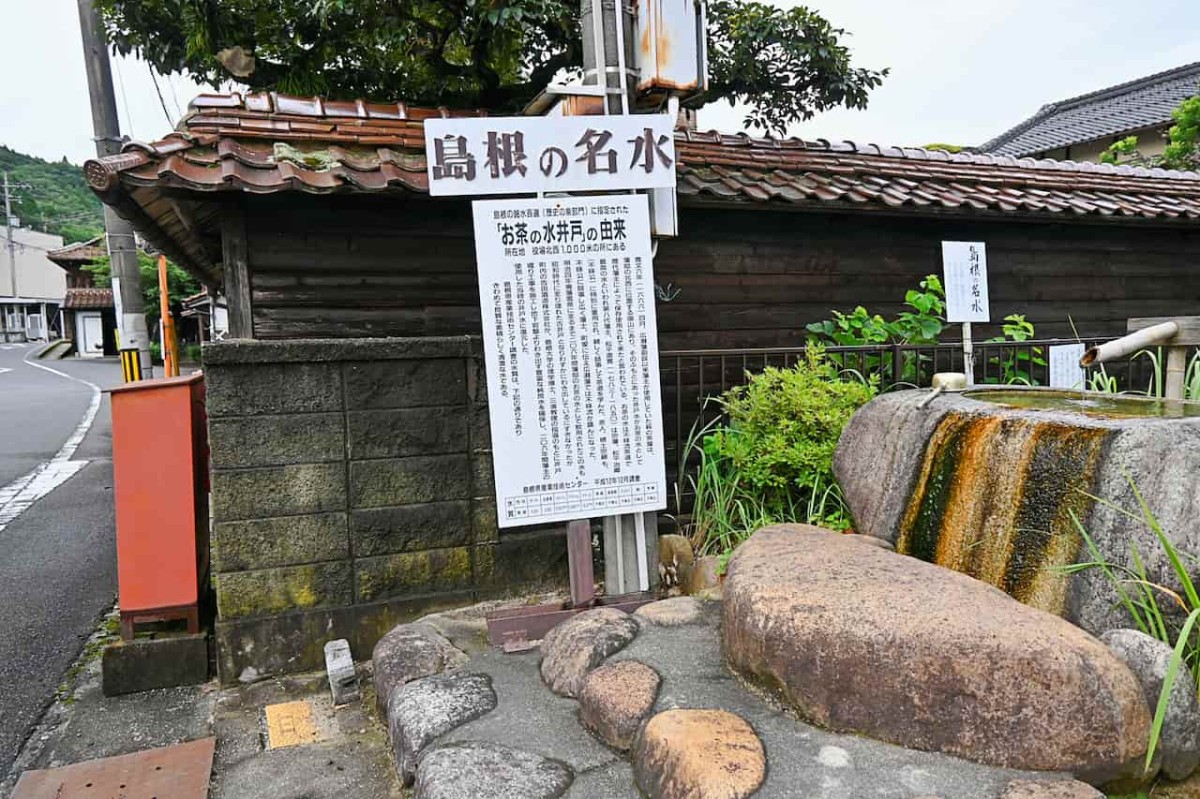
3,370
17,496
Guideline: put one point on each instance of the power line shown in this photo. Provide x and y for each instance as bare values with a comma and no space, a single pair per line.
158,91
124,98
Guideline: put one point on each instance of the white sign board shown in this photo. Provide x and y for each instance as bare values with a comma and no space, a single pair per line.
524,155
1065,371
964,268
566,288
115,282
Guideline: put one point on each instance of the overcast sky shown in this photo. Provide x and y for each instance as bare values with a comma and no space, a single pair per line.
962,72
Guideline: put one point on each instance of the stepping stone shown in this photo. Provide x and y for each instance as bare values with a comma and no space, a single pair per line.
489,771
671,612
698,754
616,698
1148,658
860,640
409,652
1058,789
424,709
579,644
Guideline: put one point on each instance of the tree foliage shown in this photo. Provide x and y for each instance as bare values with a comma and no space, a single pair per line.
1183,142
785,65
53,196
180,284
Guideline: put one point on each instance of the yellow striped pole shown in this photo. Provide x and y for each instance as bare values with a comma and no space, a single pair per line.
131,365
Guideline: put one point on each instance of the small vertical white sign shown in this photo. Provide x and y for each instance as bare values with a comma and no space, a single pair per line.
964,269
1065,371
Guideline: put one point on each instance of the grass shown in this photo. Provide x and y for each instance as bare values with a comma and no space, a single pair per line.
1167,614
727,510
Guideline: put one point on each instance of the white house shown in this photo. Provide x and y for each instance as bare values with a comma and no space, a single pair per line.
31,286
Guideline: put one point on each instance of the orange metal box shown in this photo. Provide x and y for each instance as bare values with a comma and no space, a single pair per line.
160,475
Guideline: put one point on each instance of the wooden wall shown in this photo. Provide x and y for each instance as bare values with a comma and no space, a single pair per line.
336,267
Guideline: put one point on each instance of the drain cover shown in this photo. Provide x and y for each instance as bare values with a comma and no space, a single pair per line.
172,772
290,724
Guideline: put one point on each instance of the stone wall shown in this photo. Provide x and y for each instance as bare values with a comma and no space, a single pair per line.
352,490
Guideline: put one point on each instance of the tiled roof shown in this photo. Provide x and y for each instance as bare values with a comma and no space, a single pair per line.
88,299
1140,103
909,179
267,143
79,253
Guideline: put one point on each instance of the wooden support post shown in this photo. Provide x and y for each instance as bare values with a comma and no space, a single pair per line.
579,558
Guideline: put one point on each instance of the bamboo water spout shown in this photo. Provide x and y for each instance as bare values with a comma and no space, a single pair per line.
1176,334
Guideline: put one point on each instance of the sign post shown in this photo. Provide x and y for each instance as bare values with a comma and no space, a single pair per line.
964,269
570,337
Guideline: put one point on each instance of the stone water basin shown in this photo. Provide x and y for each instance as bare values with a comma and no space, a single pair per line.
989,482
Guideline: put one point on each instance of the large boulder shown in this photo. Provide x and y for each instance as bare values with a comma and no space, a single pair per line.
987,482
409,652
581,643
1149,660
861,640
698,754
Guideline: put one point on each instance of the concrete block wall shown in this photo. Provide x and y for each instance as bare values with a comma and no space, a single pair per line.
351,491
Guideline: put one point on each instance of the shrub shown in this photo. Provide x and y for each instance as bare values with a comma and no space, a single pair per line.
770,458
784,424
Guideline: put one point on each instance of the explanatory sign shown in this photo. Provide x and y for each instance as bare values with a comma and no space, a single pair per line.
566,288
1065,371
964,268
526,155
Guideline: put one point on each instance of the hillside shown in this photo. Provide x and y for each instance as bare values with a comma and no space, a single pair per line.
58,200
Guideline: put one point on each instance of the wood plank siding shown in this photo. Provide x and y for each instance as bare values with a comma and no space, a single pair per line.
338,267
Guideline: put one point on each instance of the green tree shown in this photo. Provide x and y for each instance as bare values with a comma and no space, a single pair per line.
180,284
1183,142
55,198
785,65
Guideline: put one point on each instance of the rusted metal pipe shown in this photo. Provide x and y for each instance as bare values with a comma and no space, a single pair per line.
1127,345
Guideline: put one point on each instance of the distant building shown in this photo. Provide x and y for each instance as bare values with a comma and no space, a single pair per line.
31,286
88,313
1083,127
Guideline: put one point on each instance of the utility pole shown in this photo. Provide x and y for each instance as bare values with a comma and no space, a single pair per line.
122,247
8,232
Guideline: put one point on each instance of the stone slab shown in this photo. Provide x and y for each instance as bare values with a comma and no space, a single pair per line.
252,389
407,528
279,541
250,441
278,491
406,481
270,591
144,664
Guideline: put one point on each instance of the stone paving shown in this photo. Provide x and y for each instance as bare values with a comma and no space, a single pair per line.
530,721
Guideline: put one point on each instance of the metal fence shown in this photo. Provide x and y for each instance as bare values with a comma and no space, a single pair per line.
693,379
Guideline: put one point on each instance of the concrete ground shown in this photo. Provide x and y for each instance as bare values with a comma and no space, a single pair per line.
350,760
57,556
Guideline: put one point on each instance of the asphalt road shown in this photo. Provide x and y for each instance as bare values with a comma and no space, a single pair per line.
57,557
